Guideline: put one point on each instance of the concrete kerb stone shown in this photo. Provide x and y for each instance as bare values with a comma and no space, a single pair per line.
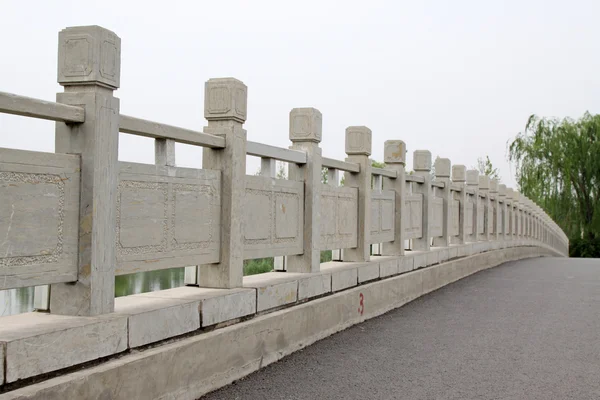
406,264
313,286
344,275
37,343
368,272
388,266
176,318
193,366
432,257
273,289
214,306
420,259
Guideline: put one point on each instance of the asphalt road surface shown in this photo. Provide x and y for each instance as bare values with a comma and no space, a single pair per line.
524,330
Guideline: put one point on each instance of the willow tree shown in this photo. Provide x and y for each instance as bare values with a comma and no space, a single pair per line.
558,166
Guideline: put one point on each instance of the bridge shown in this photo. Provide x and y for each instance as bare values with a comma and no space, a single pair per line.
75,219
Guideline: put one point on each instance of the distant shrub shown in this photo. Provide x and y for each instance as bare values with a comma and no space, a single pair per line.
588,248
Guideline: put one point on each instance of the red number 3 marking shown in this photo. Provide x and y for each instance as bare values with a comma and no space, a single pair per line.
361,305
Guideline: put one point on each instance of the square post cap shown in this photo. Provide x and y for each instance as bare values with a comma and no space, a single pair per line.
459,173
442,167
502,190
394,152
509,193
472,177
225,99
306,125
484,182
358,140
422,160
89,55
494,185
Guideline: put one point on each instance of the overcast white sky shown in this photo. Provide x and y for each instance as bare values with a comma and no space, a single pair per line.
458,78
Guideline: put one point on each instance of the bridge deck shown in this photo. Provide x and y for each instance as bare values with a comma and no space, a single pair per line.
524,330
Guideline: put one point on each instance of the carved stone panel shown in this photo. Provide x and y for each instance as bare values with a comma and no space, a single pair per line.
414,210
339,217
166,217
382,216
437,221
490,218
273,217
454,218
470,211
481,217
498,218
39,213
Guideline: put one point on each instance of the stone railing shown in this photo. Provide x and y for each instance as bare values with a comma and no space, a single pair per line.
75,219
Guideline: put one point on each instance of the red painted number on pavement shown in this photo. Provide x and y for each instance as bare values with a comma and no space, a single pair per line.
361,307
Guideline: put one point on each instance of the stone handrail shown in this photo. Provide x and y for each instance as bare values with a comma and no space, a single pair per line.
35,108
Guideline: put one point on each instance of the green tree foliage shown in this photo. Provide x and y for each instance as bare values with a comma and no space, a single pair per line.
377,164
281,171
374,163
324,177
485,167
558,166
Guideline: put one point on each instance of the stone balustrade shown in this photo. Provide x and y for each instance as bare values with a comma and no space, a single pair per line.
77,218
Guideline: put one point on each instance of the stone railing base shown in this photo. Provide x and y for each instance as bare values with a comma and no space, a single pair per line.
192,366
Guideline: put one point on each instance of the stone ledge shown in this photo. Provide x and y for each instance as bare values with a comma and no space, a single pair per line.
191,367
388,266
214,305
273,289
368,272
152,319
314,286
344,275
37,343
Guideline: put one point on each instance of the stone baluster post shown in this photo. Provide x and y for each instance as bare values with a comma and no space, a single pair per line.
89,65
459,176
394,156
495,209
306,126
225,101
518,222
539,225
527,218
484,188
358,149
543,225
534,217
511,213
545,228
525,213
503,211
442,174
473,184
422,167
535,222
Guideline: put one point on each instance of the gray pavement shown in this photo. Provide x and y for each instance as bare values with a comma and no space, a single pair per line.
523,330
